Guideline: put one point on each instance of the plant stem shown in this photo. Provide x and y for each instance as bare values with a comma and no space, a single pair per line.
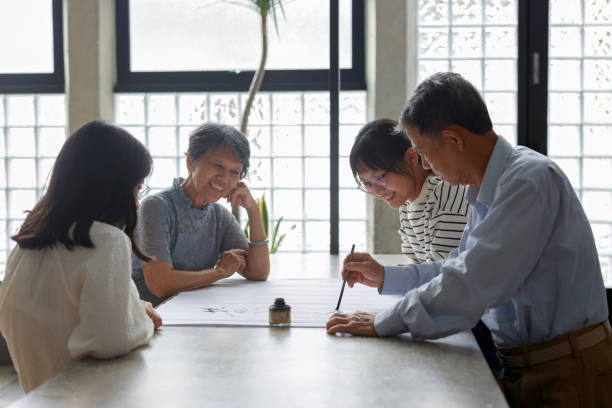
255,86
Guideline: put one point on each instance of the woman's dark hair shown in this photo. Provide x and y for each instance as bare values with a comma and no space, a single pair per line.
93,179
442,99
210,136
380,145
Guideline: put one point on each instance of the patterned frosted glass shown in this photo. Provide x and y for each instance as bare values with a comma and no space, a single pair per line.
162,141
316,204
20,110
580,84
597,140
192,109
162,110
183,35
479,41
598,41
467,12
598,107
285,203
564,42
598,75
564,141
259,136
564,75
31,135
287,141
51,110
433,12
21,141
316,172
500,75
287,108
433,43
316,141
467,42
287,173
500,12
598,204
289,138
224,108
500,42
597,11
593,169
565,12
30,21
564,107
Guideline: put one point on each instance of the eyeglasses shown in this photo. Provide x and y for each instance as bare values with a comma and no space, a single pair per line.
368,186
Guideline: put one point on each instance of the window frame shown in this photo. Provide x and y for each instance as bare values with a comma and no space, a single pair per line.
231,81
41,82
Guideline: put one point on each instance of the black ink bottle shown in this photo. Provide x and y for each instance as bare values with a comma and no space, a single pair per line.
279,313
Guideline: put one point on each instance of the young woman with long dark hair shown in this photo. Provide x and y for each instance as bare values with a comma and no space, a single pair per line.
68,290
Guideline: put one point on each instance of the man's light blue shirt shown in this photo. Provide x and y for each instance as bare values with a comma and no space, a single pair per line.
527,263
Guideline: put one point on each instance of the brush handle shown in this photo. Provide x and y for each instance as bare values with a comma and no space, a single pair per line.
344,281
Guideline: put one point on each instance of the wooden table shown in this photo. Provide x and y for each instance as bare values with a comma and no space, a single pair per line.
271,367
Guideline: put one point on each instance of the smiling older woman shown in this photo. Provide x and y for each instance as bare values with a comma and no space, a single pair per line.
188,232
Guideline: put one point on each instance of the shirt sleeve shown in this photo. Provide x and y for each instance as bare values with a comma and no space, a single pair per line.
405,246
504,249
154,230
234,235
112,319
401,279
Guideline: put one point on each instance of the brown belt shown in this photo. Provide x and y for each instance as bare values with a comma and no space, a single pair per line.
518,357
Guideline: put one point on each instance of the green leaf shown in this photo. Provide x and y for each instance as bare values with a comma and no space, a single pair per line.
275,247
263,209
275,233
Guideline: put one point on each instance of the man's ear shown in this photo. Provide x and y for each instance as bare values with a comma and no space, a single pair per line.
454,135
411,158
188,162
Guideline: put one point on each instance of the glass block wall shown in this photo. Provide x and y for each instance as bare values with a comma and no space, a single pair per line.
289,136
32,131
478,39
580,109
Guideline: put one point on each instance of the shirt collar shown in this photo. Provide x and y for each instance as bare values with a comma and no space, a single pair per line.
178,192
497,161
184,202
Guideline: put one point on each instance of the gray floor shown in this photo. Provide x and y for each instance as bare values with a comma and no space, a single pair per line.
10,390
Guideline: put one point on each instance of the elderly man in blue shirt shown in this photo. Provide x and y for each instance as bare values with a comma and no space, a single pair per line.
527,263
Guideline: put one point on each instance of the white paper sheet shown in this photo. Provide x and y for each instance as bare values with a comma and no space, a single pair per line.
238,302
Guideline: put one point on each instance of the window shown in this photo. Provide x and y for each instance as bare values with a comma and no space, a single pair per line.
32,107
579,115
289,135
34,62
492,47
32,130
289,126
477,39
183,46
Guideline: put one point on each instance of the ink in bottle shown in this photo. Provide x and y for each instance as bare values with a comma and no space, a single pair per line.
279,313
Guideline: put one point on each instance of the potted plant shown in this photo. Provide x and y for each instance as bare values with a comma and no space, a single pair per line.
275,238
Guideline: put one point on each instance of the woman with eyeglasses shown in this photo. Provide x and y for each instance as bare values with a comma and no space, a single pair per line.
68,291
432,212
193,239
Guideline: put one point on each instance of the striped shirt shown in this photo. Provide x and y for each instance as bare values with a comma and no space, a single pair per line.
431,226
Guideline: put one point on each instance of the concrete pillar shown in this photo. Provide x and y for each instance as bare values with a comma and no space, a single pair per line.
90,60
390,74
